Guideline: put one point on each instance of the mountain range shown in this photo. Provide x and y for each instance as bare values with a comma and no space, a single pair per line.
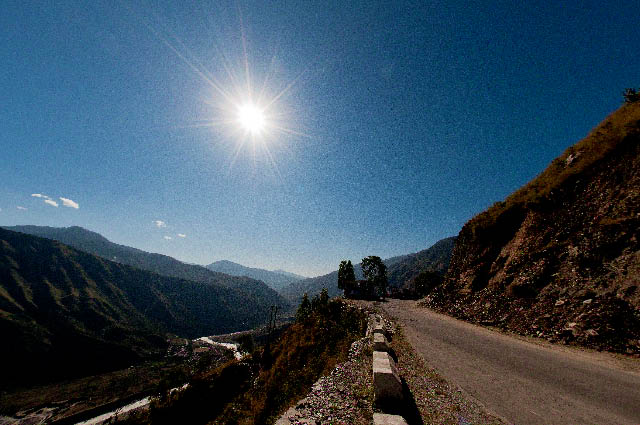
400,270
256,292
66,312
276,279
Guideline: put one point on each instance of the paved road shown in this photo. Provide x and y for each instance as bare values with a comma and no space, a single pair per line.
521,381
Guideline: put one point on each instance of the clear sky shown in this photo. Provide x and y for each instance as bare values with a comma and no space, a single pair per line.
387,125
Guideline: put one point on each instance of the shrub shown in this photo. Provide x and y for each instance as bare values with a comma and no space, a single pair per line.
631,95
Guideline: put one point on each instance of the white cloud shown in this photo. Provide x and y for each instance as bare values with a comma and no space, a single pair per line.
182,235
40,195
160,223
168,238
21,208
69,203
50,202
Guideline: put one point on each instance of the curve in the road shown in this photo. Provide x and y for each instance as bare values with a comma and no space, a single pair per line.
525,383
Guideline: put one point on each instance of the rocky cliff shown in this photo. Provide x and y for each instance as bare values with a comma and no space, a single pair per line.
560,258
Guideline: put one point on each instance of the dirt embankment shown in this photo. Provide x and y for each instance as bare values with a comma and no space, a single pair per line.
560,258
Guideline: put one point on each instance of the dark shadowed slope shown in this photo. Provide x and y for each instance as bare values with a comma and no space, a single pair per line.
399,270
256,292
407,267
560,257
275,279
65,312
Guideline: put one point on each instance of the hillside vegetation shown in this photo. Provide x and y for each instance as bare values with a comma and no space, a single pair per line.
66,313
401,271
262,386
559,258
256,293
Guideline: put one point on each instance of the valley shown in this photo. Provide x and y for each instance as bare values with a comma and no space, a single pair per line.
97,325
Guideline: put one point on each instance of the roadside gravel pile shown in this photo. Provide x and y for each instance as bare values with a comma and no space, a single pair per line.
583,318
343,397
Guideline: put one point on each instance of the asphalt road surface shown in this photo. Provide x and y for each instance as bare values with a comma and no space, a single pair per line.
524,382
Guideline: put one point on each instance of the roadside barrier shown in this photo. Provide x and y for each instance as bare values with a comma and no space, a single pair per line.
387,385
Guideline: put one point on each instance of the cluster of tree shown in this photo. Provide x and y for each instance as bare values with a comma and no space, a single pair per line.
631,95
318,303
375,279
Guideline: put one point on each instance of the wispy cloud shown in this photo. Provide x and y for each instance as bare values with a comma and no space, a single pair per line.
159,223
182,235
21,208
40,195
69,203
168,238
51,202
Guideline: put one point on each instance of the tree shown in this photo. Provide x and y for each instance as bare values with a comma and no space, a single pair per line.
630,95
375,273
304,311
346,276
320,302
246,344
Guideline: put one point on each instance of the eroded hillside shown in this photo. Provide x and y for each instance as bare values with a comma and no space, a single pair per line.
560,257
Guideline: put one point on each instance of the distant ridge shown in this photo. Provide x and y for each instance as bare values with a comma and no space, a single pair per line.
256,292
400,269
293,275
65,312
275,279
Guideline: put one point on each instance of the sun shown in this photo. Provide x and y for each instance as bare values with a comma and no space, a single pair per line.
251,118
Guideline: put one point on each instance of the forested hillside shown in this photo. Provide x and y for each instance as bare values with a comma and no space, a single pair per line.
64,312
257,293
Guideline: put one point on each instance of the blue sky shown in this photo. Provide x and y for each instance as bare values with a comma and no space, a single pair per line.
396,121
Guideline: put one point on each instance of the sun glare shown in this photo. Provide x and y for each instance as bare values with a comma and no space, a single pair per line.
251,118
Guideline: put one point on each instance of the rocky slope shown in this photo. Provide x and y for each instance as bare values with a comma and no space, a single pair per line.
560,257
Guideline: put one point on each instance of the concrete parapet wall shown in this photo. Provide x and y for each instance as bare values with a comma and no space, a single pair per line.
384,419
380,343
387,385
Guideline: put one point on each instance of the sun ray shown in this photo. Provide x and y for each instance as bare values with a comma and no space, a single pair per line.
245,110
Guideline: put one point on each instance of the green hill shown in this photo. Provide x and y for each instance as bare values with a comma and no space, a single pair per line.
65,312
256,293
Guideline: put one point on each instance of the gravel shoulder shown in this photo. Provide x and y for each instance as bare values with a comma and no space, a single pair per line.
436,400
524,382
346,395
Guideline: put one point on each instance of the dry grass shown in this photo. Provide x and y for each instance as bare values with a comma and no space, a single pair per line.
257,390
622,126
